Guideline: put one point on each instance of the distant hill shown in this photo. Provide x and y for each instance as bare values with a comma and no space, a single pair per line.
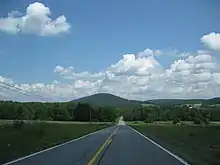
183,101
175,101
106,99
212,101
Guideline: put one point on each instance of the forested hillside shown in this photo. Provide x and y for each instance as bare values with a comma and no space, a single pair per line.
107,107
170,102
106,99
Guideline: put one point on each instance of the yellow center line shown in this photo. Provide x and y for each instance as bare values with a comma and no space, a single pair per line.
107,142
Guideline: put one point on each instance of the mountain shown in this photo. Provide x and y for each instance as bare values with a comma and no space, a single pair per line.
106,99
215,100
175,101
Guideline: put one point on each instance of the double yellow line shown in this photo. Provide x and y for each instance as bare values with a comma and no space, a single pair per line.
106,143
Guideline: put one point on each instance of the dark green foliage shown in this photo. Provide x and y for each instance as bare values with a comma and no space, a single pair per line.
109,100
176,120
160,109
170,102
83,112
106,99
213,113
148,120
66,111
197,120
176,114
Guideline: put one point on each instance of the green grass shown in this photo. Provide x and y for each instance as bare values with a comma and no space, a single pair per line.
17,142
197,145
216,123
55,122
186,123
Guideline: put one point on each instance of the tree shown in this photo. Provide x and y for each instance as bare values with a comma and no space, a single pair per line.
82,112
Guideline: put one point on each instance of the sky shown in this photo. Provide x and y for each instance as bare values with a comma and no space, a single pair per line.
146,49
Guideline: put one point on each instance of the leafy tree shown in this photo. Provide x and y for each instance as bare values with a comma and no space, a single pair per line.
83,112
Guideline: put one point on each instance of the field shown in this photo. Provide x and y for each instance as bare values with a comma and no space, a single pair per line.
20,140
198,145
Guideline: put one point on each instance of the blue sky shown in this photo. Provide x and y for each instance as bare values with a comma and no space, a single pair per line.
101,32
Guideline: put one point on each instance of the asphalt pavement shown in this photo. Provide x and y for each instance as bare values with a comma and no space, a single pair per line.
116,145
129,148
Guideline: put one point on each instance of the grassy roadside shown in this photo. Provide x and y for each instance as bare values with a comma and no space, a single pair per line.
186,123
197,145
23,140
52,122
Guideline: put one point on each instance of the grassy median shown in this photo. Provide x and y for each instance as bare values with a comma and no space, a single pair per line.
18,140
197,144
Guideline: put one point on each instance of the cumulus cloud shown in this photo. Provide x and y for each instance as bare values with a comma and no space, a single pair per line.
36,21
69,73
212,41
130,65
144,78
133,77
149,52
55,91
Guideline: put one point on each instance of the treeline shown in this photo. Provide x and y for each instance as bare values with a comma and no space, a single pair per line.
67,111
172,113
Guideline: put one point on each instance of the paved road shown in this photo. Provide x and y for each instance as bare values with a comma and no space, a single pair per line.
117,145
129,148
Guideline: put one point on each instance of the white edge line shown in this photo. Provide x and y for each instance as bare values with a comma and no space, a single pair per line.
56,146
167,151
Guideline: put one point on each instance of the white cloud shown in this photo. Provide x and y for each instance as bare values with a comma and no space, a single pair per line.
212,41
35,21
54,91
149,52
133,77
63,71
130,65
69,73
6,80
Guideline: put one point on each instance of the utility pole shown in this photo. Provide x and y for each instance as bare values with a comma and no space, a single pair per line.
90,114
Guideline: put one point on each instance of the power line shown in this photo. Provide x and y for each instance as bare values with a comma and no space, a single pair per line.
9,88
26,91
22,91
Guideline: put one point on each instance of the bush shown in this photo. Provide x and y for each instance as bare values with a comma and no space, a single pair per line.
148,120
136,122
206,121
197,120
176,120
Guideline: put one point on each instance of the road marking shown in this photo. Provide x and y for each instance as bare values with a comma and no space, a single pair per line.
167,151
56,146
106,143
